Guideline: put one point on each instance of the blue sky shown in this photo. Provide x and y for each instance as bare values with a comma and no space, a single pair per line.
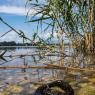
14,13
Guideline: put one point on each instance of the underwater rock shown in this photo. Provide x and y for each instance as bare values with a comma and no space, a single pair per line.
46,88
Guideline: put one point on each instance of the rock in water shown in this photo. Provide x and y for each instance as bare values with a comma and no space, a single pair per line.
46,89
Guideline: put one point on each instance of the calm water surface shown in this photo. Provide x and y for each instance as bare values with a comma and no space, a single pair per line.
14,75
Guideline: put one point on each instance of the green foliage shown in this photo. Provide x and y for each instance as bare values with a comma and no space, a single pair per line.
69,16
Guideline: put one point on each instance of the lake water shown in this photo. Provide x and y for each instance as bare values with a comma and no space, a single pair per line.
26,77
30,57
35,57
25,57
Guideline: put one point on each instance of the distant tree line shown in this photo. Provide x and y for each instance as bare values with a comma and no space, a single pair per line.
13,43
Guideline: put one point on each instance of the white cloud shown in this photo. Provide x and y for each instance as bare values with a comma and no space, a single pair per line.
13,2
15,10
11,36
48,34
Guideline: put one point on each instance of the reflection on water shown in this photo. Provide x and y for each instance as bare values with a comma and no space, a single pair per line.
24,77
34,57
30,60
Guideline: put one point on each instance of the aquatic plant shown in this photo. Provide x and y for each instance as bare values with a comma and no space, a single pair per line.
87,90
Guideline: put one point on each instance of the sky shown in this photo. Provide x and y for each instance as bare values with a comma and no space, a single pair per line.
14,13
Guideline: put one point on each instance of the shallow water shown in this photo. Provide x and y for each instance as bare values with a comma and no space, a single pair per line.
15,75
26,78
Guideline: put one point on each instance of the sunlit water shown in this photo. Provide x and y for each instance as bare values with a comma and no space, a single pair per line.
33,75
18,76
